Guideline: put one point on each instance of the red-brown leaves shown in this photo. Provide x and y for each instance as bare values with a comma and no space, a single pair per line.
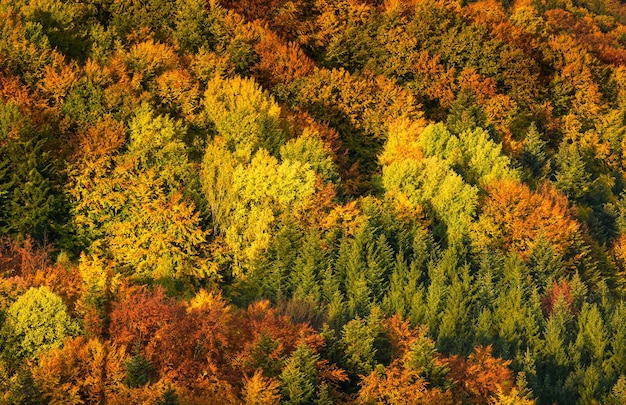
514,217
480,376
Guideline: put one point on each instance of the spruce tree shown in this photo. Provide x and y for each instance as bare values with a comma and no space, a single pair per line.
307,265
33,203
299,376
534,154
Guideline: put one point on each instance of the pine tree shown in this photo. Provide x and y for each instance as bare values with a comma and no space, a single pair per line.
572,176
591,340
395,300
33,204
379,259
299,376
352,264
454,334
333,298
534,154
357,341
304,277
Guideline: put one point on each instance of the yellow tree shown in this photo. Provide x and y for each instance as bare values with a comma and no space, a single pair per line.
134,207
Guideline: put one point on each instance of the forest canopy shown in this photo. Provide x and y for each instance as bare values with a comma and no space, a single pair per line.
312,202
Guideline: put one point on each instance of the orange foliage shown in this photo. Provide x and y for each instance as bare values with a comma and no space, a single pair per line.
302,120
483,87
259,390
280,62
312,214
58,81
63,279
399,382
394,385
12,91
514,217
82,371
480,376
23,259
555,292
178,90
101,139
442,83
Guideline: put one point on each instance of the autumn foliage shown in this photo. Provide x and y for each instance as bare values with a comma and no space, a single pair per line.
312,202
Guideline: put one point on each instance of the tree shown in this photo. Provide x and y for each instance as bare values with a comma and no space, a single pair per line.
534,154
431,181
515,218
244,115
454,335
259,390
38,321
216,177
299,377
304,277
82,370
480,158
481,375
572,177
310,149
135,206
31,198
415,376
263,190
351,266
359,343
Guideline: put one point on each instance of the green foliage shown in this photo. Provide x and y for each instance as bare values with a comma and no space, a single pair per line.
38,321
244,115
34,205
479,158
31,200
571,176
132,15
310,150
534,154
139,371
299,376
358,342
431,181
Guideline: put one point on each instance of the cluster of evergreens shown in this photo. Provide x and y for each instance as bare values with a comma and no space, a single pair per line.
312,201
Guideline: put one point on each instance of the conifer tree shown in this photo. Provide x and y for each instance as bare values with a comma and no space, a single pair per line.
307,266
534,154
299,377
454,332
572,176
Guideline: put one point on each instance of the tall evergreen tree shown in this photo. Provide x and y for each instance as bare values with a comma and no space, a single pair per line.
299,376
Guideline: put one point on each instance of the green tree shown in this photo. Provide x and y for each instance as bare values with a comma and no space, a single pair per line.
263,190
299,376
309,149
39,321
433,183
34,203
244,115
534,154
304,277
351,265
357,340
454,332
571,176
